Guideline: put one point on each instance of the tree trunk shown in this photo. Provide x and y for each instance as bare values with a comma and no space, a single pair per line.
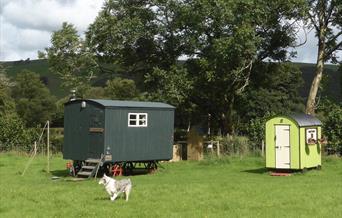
227,119
311,101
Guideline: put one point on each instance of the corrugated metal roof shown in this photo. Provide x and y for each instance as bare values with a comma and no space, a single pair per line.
143,104
305,120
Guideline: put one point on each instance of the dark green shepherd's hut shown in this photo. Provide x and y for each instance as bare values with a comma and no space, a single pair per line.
129,131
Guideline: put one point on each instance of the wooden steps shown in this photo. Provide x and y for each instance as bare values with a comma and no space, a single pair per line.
89,168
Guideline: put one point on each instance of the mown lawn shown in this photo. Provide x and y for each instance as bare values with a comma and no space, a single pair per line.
230,187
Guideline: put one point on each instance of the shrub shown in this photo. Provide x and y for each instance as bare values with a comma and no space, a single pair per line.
56,139
332,128
14,135
234,145
256,130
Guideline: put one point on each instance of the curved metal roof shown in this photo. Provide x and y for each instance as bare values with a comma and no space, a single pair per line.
130,104
305,120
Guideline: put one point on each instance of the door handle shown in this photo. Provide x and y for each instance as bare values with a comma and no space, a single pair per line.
277,146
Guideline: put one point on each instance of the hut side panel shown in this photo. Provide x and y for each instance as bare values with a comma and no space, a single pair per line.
310,154
153,142
80,142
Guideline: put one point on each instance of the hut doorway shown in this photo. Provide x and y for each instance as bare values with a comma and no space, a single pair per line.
282,146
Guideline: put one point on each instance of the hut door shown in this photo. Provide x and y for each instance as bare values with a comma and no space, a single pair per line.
282,146
96,132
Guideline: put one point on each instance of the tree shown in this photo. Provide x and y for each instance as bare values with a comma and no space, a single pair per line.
7,105
137,35
34,103
326,18
70,59
333,127
221,41
121,89
274,88
229,38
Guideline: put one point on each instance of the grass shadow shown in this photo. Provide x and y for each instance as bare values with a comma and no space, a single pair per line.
60,173
262,170
101,198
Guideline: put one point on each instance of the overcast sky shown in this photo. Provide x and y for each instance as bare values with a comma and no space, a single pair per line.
26,26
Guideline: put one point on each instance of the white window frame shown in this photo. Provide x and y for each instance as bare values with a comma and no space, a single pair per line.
137,120
311,133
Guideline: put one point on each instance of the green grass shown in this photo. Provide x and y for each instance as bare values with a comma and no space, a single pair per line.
230,187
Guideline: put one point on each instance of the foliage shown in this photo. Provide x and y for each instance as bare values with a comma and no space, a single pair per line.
332,127
6,102
69,57
340,71
56,139
221,40
173,86
256,130
34,103
14,135
121,89
232,145
274,88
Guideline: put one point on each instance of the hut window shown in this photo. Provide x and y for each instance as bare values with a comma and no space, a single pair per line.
311,136
137,119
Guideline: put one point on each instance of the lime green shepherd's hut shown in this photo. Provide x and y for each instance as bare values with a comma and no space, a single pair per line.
293,142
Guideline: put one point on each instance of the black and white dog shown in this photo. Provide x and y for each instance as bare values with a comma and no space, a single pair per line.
115,187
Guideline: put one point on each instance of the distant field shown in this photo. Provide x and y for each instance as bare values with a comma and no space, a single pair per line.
41,66
230,187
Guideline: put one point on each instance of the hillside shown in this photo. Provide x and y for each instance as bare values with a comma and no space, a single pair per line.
41,67
332,79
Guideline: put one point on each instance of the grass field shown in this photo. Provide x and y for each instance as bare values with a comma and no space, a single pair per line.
229,187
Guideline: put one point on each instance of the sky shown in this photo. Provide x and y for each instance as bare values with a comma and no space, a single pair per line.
26,26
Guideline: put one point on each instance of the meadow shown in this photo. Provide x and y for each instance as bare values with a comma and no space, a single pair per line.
226,187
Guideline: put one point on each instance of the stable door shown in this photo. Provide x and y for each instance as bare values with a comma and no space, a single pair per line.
282,146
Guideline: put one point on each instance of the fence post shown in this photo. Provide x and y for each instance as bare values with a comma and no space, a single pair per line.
262,148
218,148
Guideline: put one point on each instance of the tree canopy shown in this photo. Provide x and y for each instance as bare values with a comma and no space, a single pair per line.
69,57
218,41
34,103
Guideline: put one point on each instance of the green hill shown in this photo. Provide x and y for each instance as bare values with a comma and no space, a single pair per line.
331,81
41,67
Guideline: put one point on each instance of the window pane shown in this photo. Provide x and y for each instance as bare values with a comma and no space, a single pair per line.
132,116
142,122
142,116
132,122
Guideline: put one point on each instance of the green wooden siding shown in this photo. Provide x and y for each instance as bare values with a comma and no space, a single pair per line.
310,154
79,142
302,155
153,142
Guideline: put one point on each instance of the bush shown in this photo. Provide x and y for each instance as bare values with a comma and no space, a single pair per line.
332,128
234,145
56,139
14,135
256,130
